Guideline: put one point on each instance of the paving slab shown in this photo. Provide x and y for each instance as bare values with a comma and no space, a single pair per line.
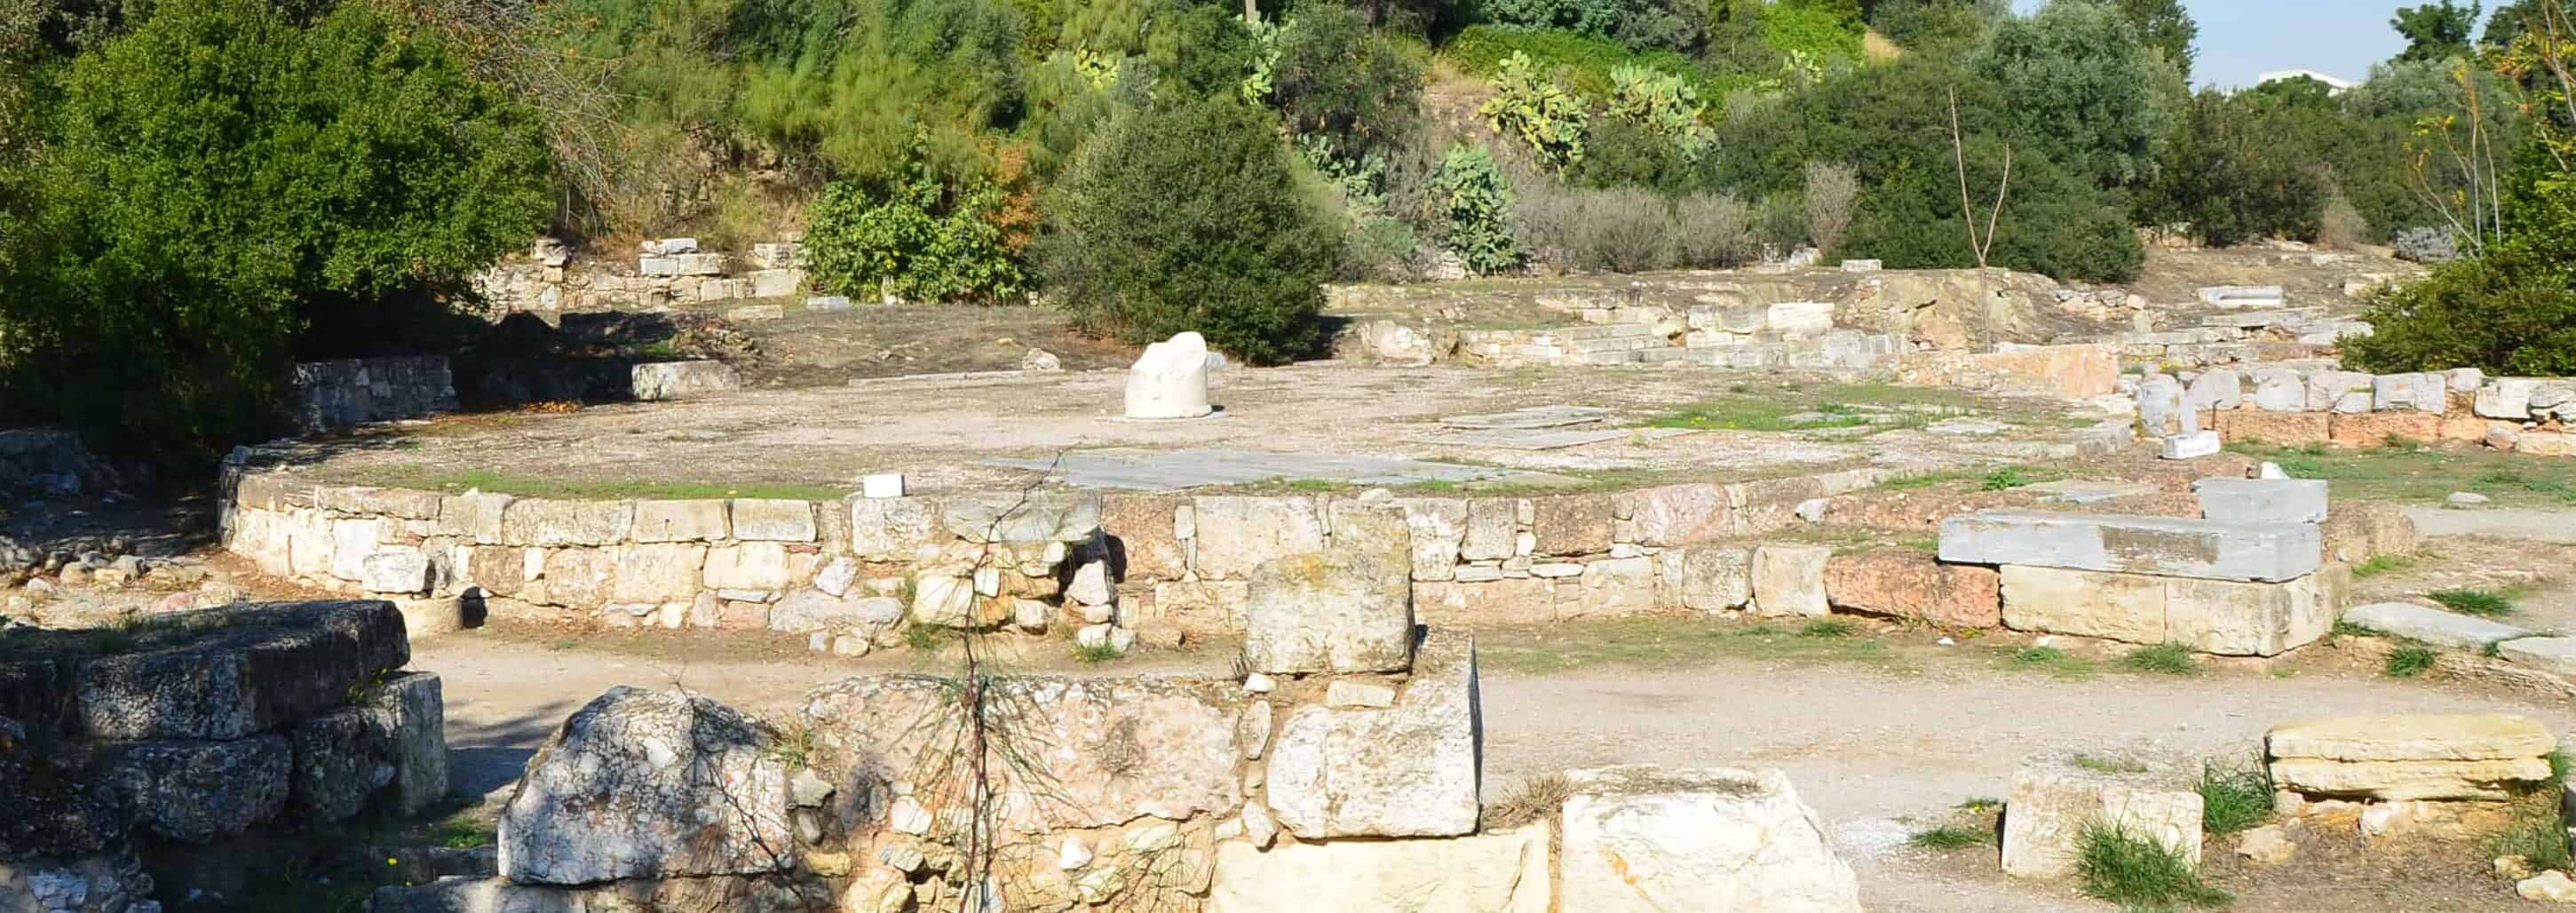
2160,546
1545,439
2431,625
2555,526
2262,500
1532,418
1178,469
2548,654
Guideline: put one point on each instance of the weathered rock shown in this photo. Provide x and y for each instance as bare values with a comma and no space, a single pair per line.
198,792
2230,618
1023,519
2160,405
1571,524
1118,749
535,522
1645,839
773,520
1237,533
2552,886
679,521
2279,390
2554,654
2262,500
1716,578
1790,579
2399,781
1169,380
729,893
2216,388
338,762
649,785
1438,529
229,672
1140,535
1349,609
659,572
894,529
2405,757
403,572
2164,546
406,720
1491,530
668,380
2432,626
110,882
1411,770
1670,515
1908,583
2056,796
2268,844
1499,872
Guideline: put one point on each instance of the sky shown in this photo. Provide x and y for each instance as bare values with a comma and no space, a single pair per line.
2240,38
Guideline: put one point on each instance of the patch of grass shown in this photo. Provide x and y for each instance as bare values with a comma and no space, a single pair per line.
1754,415
2108,765
2481,603
2534,831
1980,804
1665,640
2382,564
1921,544
1529,800
929,638
2166,658
463,831
2051,660
2515,480
2352,629
794,745
563,643
2409,661
1095,653
1946,837
2139,873
2234,798
529,486
2011,477
1926,480
2423,474
1828,627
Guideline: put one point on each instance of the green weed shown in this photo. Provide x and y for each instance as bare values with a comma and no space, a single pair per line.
2052,660
2234,798
1827,627
2167,658
1979,804
2138,873
1095,653
2482,603
1946,837
2409,662
927,638
2382,564
2108,765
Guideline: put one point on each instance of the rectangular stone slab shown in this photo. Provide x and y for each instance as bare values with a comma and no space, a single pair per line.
2414,737
2431,625
2161,546
2262,500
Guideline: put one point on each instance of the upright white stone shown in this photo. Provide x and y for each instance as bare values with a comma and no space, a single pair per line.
1170,379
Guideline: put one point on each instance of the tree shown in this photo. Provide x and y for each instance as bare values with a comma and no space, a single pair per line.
2515,17
2167,28
2079,83
1338,78
2436,31
1185,216
222,180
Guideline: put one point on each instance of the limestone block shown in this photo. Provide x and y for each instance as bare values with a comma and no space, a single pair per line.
2551,654
668,380
1410,770
1800,319
1499,600
199,792
2192,445
2056,796
1769,505
473,516
808,611
774,283
240,670
2413,737
1198,607
1716,578
398,571
2402,781
2432,626
1571,524
1140,529
1790,579
1669,515
575,577
659,572
1169,381
2229,618
2229,500
1019,519
643,784
1439,528
2166,546
1611,586
2545,443
555,523
406,718
773,520
748,566
1237,533
2124,607
2426,391
1346,609
352,541
1646,839
1909,583
1491,530
1118,749
679,521
335,766
2160,405
2216,388
2326,388
894,529
2506,398
1497,872
2287,429
2279,390
2354,531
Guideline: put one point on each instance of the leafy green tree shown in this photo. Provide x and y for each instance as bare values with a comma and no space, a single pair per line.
2436,31
1185,216
1937,26
219,180
852,82
2167,27
1336,77
2079,82
2232,179
2515,17
915,238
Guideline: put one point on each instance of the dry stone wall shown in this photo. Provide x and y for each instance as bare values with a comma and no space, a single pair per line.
2301,404
334,395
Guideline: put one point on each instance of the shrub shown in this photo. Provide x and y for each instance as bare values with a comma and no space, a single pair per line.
1714,231
2080,81
2339,224
1476,210
2511,312
1669,24
1184,216
1831,192
2137,872
1539,109
1336,77
220,181
914,238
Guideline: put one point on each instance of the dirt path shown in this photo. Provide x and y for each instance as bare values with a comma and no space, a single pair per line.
1877,753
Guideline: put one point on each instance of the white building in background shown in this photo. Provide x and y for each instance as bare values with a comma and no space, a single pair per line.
2333,85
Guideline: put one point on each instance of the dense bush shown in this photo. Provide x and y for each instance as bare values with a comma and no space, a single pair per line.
1668,24
222,177
1337,78
1662,103
1476,210
913,237
1833,192
2511,312
1185,216
2076,80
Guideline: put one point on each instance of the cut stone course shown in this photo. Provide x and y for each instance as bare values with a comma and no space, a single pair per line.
2551,654
1790,580
2165,546
198,792
2410,757
2432,626
268,666
555,523
1715,578
2262,500
1347,609
1909,583
773,520
1494,872
1238,533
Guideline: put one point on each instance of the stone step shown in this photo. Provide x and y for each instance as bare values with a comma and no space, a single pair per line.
2161,546
2255,320
2548,654
2432,626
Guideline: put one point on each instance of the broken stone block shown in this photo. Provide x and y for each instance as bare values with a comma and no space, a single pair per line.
2279,390
2432,626
2056,796
401,572
1571,524
232,672
1497,872
1410,770
1716,578
1237,533
1491,530
1018,520
2166,546
2490,756
2229,618
198,792
2425,391
2160,405
1790,580
655,382
1347,609
2552,654
337,764
649,785
406,718
2191,445
2124,607
1169,381
1117,749
1439,528
894,529
2216,388
1646,839
2262,500
2506,398
1670,515
1909,583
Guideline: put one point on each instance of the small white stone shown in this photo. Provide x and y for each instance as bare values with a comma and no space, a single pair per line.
819,642
1122,640
835,578
1073,854
1090,584
907,816
2466,499
849,645
1258,683
1358,694
2271,470
1096,635
882,485
1101,614
1258,825
1030,615
988,581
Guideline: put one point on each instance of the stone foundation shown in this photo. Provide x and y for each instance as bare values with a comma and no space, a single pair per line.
335,395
